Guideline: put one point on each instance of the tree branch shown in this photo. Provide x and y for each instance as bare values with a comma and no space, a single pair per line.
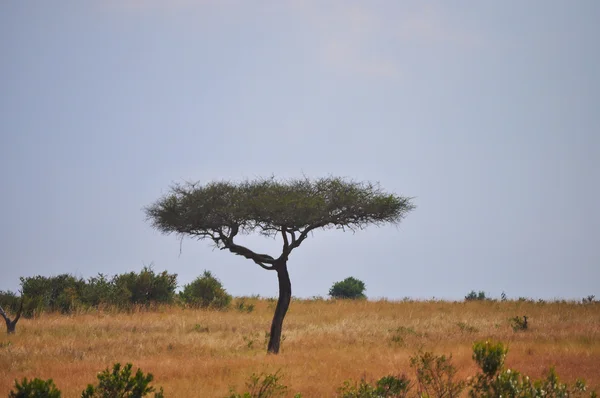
304,234
6,318
286,244
227,242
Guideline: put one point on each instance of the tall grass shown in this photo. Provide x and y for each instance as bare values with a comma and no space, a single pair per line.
199,353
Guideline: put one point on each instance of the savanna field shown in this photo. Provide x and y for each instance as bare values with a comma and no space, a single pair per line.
203,353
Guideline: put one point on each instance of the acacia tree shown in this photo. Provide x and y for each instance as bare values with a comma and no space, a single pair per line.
220,211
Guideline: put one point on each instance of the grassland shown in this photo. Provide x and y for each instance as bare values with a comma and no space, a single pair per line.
195,353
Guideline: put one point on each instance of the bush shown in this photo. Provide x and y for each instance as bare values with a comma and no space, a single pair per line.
36,388
56,293
386,387
205,291
120,383
262,386
100,290
435,375
349,288
496,381
146,287
519,324
473,296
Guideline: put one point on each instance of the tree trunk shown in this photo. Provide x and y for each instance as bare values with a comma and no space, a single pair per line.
283,303
10,326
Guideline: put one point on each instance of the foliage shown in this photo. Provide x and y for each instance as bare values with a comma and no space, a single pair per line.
349,288
489,356
386,387
101,290
262,386
205,292
518,323
267,205
473,296
54,294
436,375
147,287
65,293
9,301
120,383
35,388
496,381
589,299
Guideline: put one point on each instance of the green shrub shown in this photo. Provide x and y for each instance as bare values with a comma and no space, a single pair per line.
120,383
519,324
36,388
473,296
205,291
489,356
262,386
100,290
145,288
349,288
435,376
386,387
496,381
61,293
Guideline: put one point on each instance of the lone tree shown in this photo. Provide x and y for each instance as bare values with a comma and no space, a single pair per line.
219,211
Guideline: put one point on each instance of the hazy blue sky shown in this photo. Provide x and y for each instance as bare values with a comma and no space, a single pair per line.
486,112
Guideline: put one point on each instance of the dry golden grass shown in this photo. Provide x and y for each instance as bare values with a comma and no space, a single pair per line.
325,343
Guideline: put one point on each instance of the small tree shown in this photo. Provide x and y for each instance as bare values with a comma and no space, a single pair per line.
35,388
219,211
11,324
206,291
120,382
349,288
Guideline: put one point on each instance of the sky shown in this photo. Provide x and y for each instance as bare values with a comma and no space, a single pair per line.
486,113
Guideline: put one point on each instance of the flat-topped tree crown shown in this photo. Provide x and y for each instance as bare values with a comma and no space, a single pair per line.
219,211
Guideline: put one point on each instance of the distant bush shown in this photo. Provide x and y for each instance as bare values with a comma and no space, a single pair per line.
59,293
349,288
205,291
146,287
473,296
65,293
589,299
36,388
120,383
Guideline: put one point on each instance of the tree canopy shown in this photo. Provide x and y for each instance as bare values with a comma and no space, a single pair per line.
220,210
